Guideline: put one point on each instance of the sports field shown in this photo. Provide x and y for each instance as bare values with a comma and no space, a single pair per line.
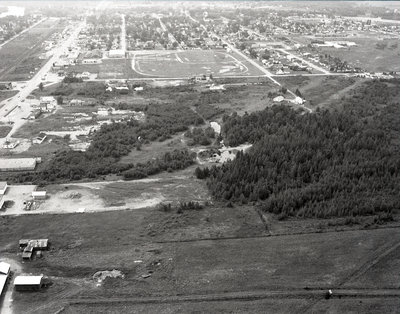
191,63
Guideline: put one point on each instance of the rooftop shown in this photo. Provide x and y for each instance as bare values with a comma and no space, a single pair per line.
28,280
15,163
4,268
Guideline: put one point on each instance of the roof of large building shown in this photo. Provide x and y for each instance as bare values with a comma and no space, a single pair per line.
3,185
3,280
4,268
28,280
16,163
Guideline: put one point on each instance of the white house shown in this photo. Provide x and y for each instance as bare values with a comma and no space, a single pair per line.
39,139
39,195
47,103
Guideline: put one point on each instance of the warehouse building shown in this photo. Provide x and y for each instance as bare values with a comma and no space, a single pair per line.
28,283
17,164
4,274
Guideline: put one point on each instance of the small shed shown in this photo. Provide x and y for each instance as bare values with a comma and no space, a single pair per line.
28,283
3,187
39,195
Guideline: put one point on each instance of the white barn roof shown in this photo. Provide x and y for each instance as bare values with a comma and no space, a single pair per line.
4,268
28,280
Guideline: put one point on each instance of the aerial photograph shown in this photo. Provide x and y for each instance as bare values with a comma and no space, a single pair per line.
199,156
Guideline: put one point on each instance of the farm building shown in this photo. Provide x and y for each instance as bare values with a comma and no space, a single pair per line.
28,283
279,99
76,102
91,61
117,53
10,144
17,164
39,195
1,201
3,187
4,273
47,103
39,139
102,111
34,114
30,246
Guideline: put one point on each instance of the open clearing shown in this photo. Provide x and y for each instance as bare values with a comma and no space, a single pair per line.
320,91
367,55
191,63
240,267
20,57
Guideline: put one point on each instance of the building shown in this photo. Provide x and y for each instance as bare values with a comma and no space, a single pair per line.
91,61
29,246
102,111
17,164
3,187
76,102
279,99
28,283
4,274
39,195
47,103
10,144
39,139
34,114
117,53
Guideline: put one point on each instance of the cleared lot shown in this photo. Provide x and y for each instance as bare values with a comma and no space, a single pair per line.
20,57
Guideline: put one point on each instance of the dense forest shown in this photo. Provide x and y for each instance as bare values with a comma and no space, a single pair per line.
326,164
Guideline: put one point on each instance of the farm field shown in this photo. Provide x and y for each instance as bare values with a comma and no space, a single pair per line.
191,63
236,264
20,57
367,55
320,91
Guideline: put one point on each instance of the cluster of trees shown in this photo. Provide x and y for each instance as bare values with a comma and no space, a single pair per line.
200,136
115,140
170,161
326,164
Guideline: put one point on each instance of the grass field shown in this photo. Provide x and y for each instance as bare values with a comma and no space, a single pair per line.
320,91
191,63
236,261
20,56
5,94
367,56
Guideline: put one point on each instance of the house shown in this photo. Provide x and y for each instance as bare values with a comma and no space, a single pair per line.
39,139
116,53
34,114
47,103
91,61
279,99
39,195
138,89
122,89
76,102
3,187
28,283
10,144
4,274
102,111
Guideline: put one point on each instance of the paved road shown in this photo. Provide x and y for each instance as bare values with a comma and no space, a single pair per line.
123,33
15,108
